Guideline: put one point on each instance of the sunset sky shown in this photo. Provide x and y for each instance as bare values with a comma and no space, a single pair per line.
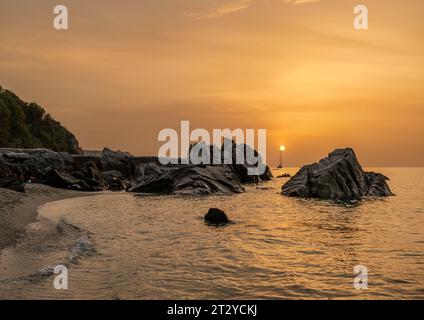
127,69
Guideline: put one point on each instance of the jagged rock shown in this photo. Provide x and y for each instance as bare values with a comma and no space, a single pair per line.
109,175
185,179
116,184
230,151
34,163
337,177
92,175
284,175
115,180
216,217
63,180
4,168
377,185
115,160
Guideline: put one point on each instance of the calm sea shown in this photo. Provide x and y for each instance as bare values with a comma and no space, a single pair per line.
158,247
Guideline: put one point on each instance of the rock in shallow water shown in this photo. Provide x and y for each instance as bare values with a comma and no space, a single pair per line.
216,216
337,177
284,175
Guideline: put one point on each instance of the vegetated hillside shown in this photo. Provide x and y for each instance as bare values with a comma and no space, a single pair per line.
27,125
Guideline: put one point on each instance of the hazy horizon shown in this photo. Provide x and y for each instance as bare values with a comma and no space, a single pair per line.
126,70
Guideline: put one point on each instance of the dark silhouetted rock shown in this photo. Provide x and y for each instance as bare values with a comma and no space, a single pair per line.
284,175
337,177
116,160
91,174
35,163
13,184
63,180
62,170
377,185
116,184
115,180
232,152
216,217
185,179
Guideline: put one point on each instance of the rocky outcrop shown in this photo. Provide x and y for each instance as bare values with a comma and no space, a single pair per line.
34,162
114,169
63,180
198,177
242,150
185,179
115,160
230,151
216,217
58,169
115,180
337,177
91,175
377,185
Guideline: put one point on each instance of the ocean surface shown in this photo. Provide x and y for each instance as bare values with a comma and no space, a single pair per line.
128,246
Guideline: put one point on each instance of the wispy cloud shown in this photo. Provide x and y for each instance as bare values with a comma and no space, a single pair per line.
232,6
296,2
218,11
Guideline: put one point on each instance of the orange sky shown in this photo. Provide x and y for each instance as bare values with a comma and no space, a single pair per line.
127,69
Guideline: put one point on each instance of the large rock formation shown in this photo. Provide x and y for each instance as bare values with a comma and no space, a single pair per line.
204,178
114,169
337,177
230,151
185,179
59,169
242,169
34,162
115,160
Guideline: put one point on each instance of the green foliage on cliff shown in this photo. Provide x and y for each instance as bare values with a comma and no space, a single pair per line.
27,125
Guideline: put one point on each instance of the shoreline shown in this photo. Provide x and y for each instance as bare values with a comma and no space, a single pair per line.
18,210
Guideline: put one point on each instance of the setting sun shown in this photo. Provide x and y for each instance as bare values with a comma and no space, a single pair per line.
282,148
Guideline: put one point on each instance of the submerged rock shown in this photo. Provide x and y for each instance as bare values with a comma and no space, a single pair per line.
337,177
216,216
284,175
185,179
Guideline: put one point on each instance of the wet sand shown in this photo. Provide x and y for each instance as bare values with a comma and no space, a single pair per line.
17,210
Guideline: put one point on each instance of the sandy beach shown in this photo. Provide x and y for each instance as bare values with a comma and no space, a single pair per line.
17,210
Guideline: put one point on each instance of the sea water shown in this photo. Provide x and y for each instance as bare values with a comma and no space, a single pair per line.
158,247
